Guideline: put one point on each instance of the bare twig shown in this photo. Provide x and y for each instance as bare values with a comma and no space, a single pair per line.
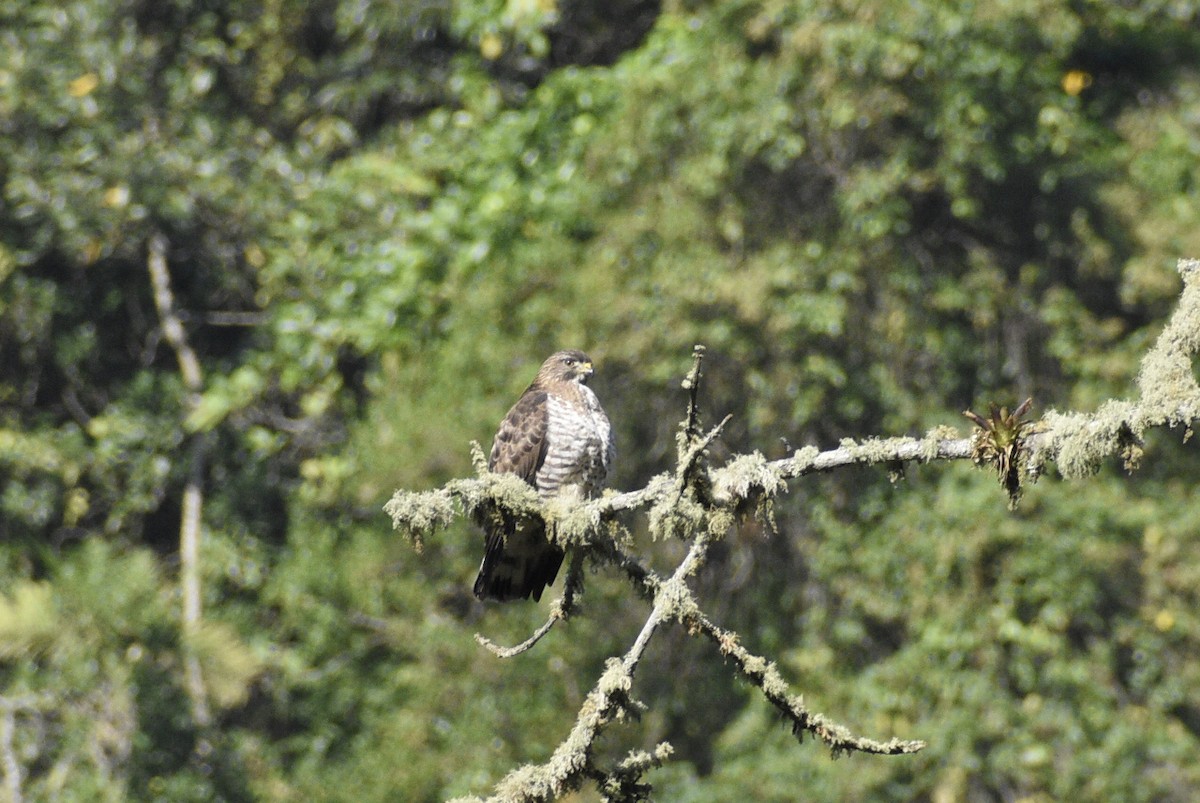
560,609
691,384
510,652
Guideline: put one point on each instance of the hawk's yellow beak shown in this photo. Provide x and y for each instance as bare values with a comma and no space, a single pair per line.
586,368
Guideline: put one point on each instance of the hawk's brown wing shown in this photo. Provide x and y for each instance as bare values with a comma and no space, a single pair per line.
518,561
520,445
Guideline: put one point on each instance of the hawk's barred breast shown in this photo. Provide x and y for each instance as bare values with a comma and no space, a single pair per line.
580,444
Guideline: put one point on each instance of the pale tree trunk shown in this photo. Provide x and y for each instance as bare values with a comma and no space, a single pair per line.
190,527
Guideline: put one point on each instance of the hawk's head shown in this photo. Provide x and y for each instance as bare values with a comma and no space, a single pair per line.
566,366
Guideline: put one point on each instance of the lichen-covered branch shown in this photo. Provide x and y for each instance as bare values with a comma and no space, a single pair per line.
762,673
699,504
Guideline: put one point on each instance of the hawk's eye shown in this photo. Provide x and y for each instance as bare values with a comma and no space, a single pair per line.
569,360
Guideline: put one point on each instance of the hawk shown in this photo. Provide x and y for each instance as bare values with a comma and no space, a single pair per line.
558,439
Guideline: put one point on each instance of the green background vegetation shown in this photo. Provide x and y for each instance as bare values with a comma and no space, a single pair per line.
381,216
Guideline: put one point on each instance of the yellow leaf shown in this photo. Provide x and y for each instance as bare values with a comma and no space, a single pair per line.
255,256
1164,620
1076,81
83,85
490,46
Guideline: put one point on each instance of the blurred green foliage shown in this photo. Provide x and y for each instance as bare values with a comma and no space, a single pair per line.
382,216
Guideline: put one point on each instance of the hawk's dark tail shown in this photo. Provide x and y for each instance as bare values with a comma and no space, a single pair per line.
519,567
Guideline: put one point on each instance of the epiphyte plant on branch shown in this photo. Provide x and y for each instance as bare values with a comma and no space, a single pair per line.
998,443
700,503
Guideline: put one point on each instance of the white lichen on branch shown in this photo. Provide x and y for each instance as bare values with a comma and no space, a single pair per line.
1170,393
